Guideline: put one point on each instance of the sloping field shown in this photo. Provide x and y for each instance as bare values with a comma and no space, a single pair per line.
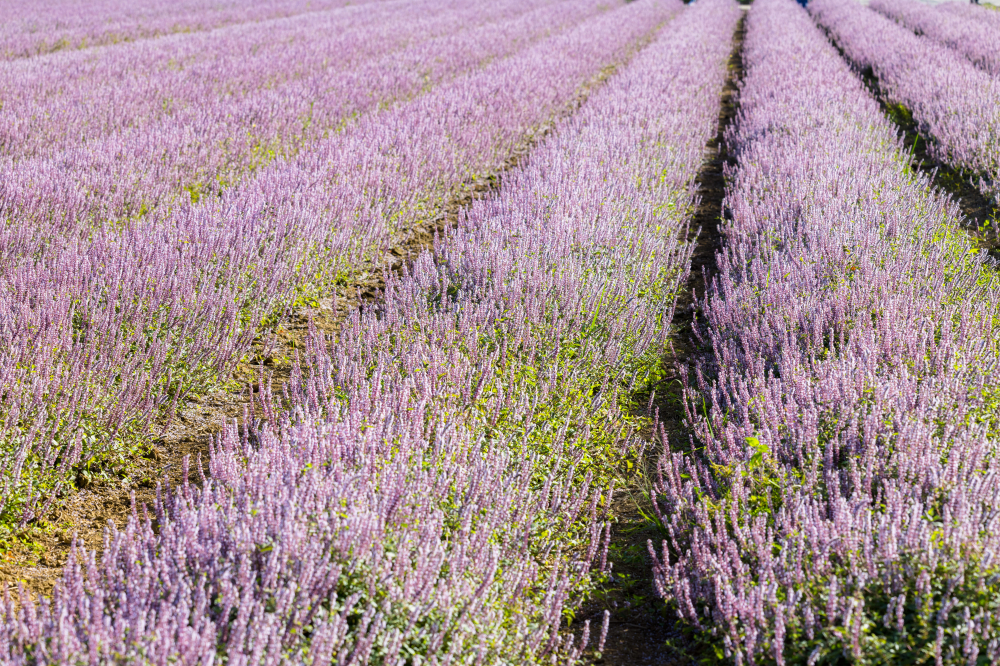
452,332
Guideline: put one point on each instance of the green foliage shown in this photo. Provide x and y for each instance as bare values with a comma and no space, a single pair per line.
900,617
899,114
903,616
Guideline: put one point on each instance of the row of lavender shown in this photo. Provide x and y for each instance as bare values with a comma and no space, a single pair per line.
433,495
839,500
117,135
955,104
35,27
973,11
974,36
228,128
70,94
104,326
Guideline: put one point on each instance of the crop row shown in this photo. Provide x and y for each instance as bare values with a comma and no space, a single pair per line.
953,102
105,328
840,497
972,11
437,492
971,35
183,137
70,24
81,97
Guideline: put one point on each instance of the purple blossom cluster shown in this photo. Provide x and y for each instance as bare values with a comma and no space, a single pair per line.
955,104
33,27
976,39
106,325
838,501
431,495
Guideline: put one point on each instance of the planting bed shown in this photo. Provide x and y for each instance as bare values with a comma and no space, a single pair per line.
126,319
450,332
837,499
34,27
973,35
954,103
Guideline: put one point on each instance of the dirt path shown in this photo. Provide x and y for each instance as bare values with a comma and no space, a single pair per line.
643,631
36,559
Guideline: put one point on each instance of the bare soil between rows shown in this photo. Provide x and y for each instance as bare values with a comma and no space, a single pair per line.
644,631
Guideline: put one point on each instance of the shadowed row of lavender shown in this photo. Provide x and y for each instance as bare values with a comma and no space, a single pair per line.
839,501
955,104
105,325
437,492
33,27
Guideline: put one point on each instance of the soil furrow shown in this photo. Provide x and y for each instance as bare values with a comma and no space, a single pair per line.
643,630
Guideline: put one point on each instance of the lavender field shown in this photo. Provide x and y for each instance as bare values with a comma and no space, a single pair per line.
427,332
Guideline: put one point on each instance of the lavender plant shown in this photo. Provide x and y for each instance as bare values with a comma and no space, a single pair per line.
975,12
977,40
956,106
83,96
108,327
230,104
430,495
35,27
837,502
